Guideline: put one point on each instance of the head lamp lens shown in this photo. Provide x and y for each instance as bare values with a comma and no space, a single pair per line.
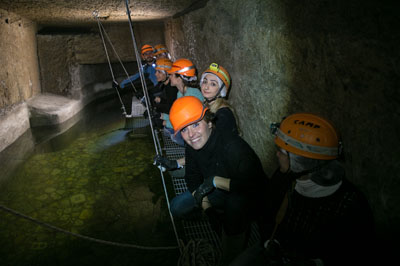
273,128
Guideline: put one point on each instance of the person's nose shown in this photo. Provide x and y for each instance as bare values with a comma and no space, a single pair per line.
190,132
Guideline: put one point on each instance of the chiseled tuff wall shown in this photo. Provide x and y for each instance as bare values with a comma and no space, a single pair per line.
69,62
19,73
339,59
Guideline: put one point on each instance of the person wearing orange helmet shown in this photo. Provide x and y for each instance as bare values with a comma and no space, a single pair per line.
147,53
163,95
215,83
223,174
183,75
317,217
161,51
167,93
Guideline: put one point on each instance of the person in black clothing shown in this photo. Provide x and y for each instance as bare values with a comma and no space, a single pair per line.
215,83
316,216
223,174
165,94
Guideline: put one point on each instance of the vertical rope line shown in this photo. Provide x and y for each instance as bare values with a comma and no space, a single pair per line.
95,14
117,55
144,86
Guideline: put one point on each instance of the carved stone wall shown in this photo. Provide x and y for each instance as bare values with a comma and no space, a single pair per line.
338,59
71,62
19,77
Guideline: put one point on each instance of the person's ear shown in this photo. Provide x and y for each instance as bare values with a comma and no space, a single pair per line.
210,124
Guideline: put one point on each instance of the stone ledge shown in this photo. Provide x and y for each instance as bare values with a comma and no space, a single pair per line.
50,109
13,124
45,110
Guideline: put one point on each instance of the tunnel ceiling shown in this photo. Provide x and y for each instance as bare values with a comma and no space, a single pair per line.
70,12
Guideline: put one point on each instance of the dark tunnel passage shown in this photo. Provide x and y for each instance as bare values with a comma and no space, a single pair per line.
339,59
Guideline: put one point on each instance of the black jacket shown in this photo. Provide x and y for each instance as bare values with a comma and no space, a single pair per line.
337,228
226,155
167,93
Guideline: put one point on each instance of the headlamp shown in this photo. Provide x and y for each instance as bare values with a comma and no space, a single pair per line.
215,67
273,128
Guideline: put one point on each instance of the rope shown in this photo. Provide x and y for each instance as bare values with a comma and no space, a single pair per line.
96,15
145,93
116,54
153,132
18,214
198,253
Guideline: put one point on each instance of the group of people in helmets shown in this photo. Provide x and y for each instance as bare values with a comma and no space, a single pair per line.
307,213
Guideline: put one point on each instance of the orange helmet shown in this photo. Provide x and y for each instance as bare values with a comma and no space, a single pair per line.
185,111
221,72
183,67
147,48
160,48
307,135
163,64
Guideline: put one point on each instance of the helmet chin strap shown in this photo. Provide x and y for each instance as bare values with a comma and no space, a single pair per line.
218,95
166,78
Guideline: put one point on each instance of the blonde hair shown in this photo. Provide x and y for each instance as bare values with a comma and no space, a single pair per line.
219,103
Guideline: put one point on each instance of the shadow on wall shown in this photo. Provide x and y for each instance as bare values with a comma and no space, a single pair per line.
343,68
334,58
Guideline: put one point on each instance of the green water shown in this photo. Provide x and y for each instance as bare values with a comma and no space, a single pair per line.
100,183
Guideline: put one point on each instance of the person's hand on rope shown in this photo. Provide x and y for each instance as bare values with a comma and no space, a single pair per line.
138,95
156,120
156,115
165,164
204,189
143,101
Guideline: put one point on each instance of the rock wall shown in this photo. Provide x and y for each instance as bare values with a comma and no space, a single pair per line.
72,63
336,58
19,77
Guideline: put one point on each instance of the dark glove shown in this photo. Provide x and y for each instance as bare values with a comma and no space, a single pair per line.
204,189
145,114
138,95
156,115
165,163
115,85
